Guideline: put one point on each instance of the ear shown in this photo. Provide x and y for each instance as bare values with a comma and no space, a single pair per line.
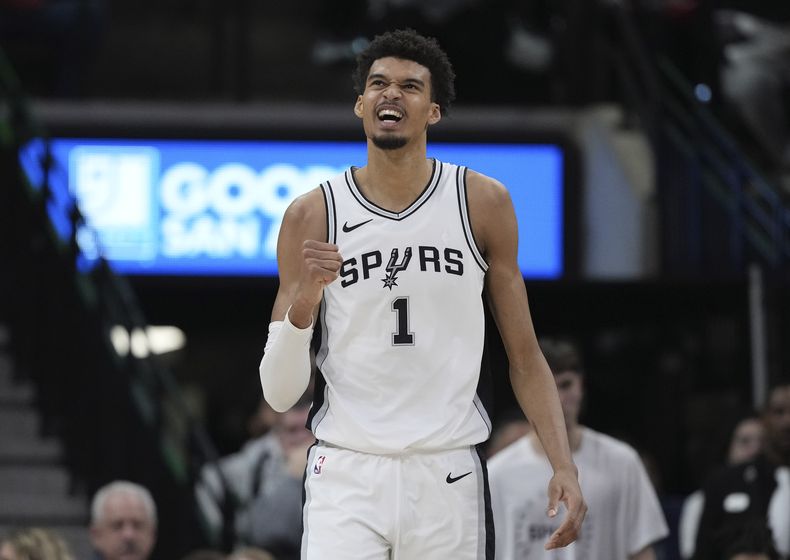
435,115
95,535
358,107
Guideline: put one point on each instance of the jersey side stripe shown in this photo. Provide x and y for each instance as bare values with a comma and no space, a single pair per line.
320,401
482,410
463,207
323,350
321,412
331,213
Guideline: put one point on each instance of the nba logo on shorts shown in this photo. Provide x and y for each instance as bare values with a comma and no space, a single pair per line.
319,464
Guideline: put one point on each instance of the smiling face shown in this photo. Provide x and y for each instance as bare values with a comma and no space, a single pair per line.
396,106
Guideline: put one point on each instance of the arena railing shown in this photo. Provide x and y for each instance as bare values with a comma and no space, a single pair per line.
721,218
119,413
719,212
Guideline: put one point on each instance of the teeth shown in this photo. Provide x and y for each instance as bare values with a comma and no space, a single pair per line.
390,113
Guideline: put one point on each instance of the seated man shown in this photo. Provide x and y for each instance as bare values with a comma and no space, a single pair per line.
258,475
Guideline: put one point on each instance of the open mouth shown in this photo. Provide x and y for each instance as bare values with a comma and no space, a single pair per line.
389,115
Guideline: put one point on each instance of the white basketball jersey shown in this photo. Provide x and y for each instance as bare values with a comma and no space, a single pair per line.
402,327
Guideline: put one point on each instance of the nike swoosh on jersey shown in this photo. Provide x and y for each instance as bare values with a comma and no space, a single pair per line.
347,228
450,479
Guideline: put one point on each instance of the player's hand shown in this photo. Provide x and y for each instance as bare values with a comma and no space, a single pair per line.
321,264
564,487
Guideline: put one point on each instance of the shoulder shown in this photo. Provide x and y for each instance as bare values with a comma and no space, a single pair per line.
306,205
307,214
490,211
483,190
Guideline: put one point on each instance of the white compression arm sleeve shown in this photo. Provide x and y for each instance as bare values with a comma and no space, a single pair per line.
285,367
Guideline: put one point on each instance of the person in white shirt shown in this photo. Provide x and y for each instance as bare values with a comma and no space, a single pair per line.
624,519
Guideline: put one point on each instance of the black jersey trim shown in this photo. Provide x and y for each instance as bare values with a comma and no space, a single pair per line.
463,208
488,525
430,188
483,399
320,402
306,495
323,347
331,212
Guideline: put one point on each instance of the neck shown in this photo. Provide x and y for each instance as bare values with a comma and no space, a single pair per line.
776,456
394,178
575,437
575,434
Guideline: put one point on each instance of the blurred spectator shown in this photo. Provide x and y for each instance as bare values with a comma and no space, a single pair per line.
755,493
264,479
624,519
34,544
250,553
123,522
512,425
275,519
755,80
262,420
745,442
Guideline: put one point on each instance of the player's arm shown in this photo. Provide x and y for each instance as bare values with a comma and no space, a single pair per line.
495,228
306,263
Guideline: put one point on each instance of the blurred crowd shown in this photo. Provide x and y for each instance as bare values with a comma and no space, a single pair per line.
740,511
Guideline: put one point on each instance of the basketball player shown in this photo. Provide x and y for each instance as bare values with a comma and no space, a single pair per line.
390,261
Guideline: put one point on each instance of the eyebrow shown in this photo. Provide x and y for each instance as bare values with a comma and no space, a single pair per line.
406,81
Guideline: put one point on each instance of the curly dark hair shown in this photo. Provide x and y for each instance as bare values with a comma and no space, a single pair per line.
407,44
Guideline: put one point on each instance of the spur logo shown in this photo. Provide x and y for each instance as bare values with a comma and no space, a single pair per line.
429,260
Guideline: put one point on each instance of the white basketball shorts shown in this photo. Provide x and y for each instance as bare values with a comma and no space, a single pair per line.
413,506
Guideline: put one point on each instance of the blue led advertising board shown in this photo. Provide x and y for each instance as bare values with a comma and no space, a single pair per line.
213,208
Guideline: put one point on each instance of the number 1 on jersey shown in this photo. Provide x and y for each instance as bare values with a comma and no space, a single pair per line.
402,336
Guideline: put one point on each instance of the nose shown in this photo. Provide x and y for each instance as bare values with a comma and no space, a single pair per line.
129,531
392,91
